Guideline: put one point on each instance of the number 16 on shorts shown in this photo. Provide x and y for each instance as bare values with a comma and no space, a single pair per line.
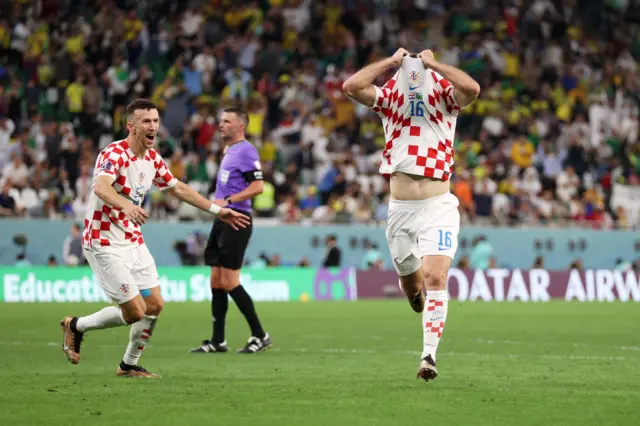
444,240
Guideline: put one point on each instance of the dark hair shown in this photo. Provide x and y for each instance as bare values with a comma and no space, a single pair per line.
240,113
140,103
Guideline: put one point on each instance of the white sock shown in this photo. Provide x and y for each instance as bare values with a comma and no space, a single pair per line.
433,319
109,317
141,332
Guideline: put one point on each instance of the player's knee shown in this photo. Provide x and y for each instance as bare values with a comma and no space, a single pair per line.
229,279
215,280
226,283
133,315
155,307
435,280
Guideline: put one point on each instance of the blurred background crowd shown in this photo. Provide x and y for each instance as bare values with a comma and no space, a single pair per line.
553,132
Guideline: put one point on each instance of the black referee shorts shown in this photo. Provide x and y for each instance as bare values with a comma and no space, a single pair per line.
226,246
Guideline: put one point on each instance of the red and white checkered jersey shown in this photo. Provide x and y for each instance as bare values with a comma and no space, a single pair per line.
105,227
419,113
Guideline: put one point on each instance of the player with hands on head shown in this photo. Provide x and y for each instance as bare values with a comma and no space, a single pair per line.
418,107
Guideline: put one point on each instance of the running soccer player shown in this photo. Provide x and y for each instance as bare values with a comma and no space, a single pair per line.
239,180
419,107
112,238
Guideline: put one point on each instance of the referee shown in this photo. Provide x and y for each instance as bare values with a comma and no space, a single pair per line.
239,180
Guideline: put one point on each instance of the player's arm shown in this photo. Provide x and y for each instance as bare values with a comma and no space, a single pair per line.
185,193
104,190
465,88
359,86
255,188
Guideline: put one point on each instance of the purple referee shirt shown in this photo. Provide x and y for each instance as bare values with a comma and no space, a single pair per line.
239,167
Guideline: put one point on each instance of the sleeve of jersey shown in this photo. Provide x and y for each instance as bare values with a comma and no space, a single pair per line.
447,93
164,179
250,166
110,162
382,103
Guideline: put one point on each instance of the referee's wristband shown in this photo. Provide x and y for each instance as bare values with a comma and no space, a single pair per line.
214,209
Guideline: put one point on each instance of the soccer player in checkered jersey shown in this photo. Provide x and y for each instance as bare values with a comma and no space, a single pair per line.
112,237
418,108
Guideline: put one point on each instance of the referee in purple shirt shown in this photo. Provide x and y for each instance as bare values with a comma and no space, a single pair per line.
239,180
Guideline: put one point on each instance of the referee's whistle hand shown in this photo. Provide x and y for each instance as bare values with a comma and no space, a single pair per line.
233,218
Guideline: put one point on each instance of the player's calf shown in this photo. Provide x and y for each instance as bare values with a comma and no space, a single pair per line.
142,330
434,316
411,286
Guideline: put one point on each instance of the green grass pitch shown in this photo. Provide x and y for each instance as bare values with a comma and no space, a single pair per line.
344,363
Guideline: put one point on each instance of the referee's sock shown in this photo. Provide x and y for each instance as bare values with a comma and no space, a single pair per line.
245,304
219,306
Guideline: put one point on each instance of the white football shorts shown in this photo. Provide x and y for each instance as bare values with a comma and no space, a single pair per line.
122,274
422,228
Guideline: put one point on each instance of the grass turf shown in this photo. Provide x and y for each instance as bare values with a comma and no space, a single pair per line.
333,363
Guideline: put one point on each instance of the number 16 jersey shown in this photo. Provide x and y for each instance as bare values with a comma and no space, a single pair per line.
418,112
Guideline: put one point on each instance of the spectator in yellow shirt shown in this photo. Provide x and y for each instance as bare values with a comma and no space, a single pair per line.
75,97
133,26
74,44
522,152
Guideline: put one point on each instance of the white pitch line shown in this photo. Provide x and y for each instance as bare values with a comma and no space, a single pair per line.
335,351
482,341
521,342
630,348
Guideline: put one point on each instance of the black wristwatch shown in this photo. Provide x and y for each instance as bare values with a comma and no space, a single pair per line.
228,199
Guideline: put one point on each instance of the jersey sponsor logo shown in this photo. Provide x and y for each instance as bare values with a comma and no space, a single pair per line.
414,87
224,175
138,197
106,166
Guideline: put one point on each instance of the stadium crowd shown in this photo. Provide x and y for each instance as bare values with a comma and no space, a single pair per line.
554,129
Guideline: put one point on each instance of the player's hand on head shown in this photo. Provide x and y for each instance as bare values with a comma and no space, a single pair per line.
427,58
136,214
397,57
233,218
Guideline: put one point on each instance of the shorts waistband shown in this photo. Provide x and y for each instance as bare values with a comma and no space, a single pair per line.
418,203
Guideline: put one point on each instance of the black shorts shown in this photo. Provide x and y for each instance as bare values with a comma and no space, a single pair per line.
226,246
